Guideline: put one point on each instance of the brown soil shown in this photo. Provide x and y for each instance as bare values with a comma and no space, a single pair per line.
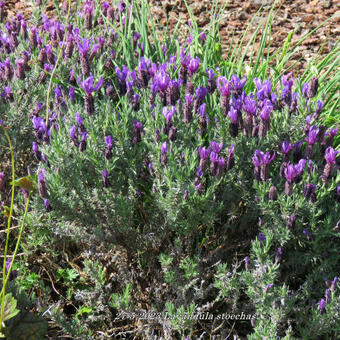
301,16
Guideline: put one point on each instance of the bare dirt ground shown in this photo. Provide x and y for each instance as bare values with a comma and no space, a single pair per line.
301,16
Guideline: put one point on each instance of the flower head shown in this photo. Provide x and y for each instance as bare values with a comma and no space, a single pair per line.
286,147
194,64
204,152
216,147
164,148
237,83
87,85
312,135
162,79
291,172
266,110
223,86
84,47
330,155
108,142
249,105
210,73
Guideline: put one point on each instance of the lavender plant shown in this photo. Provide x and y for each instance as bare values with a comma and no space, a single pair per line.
214,188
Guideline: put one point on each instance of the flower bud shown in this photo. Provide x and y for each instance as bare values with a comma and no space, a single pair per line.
272,195
291,222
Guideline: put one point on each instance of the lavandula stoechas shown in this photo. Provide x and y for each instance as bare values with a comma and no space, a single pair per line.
204,155
309,192
87,86
106,181
231,158
42,186
211,83
249,107
188,108
290,174
311,140
265,118
83,49
225,89
137,129
330,157
164,150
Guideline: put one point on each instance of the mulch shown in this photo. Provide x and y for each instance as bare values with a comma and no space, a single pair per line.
300,16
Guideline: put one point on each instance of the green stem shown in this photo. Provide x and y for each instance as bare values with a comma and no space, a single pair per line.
56,64
18,242
4,281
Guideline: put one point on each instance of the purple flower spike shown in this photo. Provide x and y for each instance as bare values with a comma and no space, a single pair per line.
268,286
1,180
237,83
263,90
168,114
37,155
203,36
322,306
246,262
194,64
319,107
162,79
220,167
272,195
307,234
137,129
330,155
84,47
286,147
328,295
257,163
278,254
106,182
201,92
334,282
291,222
204,155
231,158
210,73
47,205
266,110
79,120
233,115
249,105
213,163
186,194
211,84
216,147
261,237
290,173
164,148
42,187
267,159
87,85
204,152
223,86
188,108
309,191
330,134
108,142
312,135
305,90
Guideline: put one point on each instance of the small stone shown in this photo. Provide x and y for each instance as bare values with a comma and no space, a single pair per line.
308,18
242,16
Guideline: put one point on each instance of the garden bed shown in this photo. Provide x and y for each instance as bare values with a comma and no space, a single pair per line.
180,184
